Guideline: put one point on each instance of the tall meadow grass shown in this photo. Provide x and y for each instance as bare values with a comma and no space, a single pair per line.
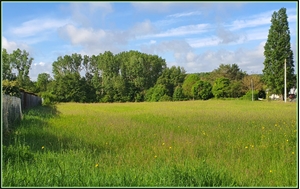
193,143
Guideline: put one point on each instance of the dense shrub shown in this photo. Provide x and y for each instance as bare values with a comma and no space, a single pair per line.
248,95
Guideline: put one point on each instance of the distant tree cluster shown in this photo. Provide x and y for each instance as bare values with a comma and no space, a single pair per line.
125,77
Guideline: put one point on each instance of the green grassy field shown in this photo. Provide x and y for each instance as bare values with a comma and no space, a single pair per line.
193,143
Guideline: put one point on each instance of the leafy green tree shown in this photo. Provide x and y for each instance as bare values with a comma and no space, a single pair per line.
7,67
10,88
157,93
248,95
232,72
69,86
202,90
221,88
249,80
69,64
109,67
148,95
178,94
96,80
21,61
139,71
277,50
235,89
188,83
43,80
171,78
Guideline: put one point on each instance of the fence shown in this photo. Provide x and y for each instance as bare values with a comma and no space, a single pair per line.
12,107
29,100
11,111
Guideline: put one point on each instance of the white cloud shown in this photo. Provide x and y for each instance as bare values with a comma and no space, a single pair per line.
174,46
203,42
226,36
36,26
81,35
260,20
10,46
190,56
94,40
257,34
178,15
180,31
152,42
40,64
249,60
83,13
142,28
254,21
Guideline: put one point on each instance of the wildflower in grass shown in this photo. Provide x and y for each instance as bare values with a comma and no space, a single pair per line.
97,165
293,152
163,143
155,156
275,124
252,145
43,147
263,127
170,147
270,171
287,140
246,147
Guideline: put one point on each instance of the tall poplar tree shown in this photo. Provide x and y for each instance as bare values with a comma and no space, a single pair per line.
277,49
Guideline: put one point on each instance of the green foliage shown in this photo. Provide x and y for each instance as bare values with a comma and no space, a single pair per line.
106,99
235,90
165,98
148,95
202,90
48,98
276,50
21,61
11,88
221,88
43,80
7,66
19,153
70,88
178,94
232,72
171,77
158,93
248,95
188,83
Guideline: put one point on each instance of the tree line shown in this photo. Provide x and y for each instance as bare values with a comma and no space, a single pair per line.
129,76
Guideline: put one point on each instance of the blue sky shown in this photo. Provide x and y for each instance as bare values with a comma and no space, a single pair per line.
198,36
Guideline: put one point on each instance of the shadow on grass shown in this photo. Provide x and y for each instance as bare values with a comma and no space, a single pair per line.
34,116
32,131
